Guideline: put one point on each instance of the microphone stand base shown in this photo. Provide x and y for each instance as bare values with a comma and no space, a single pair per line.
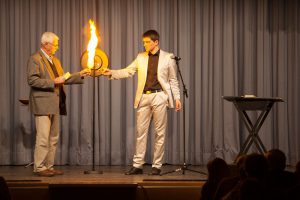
183,168
93,172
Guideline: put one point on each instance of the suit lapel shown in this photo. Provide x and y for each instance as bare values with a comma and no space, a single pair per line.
46,63
160,62
145,68
57,66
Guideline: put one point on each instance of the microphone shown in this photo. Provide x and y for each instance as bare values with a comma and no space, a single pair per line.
176,58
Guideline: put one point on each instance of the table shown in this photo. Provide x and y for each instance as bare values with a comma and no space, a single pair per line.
243,104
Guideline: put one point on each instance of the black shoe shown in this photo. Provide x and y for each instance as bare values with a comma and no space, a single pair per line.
134,171
155,171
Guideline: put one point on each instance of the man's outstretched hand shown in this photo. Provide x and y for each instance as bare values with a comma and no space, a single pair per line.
85,72
107,72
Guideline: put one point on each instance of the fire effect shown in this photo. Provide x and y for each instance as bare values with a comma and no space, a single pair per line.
92,45
94,59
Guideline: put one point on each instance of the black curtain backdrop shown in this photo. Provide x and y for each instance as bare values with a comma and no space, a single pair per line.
228,48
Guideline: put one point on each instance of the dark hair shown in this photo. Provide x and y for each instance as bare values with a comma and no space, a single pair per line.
217,169
152,34
276,160
256,166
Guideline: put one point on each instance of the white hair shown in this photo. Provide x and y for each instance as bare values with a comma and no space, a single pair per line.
48,37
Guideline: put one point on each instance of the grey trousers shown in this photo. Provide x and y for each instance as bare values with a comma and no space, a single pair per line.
47,133
151,106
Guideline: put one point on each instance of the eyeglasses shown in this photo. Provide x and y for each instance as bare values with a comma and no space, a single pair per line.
54,45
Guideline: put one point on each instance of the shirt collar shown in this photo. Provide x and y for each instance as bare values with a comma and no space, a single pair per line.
47,56
156,54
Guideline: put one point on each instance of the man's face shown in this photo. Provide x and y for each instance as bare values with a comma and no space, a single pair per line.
149,44
51,48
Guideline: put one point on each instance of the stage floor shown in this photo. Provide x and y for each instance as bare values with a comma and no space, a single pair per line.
111,175
112,184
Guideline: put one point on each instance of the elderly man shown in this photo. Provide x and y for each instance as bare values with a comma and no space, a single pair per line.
157,85
46,79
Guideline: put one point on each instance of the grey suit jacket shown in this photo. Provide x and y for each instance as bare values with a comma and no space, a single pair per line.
44,96
166,75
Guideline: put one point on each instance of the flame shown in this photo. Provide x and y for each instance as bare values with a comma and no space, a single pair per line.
92,45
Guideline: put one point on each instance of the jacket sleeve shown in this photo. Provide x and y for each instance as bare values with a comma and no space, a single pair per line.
35,78
74,79
173,79
127,72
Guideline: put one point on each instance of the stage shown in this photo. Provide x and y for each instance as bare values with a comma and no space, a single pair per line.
112,184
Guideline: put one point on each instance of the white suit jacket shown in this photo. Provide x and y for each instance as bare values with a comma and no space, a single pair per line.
166,75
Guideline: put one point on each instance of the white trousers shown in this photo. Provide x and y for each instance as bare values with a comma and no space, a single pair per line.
47,133
151,106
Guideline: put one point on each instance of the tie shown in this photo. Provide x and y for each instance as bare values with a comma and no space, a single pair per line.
54,69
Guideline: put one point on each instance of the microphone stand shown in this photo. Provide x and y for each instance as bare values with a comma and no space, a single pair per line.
184,166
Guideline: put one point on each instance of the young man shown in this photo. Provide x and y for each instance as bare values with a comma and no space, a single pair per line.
157,84
47,101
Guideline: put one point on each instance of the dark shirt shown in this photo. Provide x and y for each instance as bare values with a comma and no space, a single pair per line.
152,81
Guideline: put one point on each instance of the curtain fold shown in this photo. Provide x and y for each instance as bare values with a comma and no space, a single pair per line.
228,48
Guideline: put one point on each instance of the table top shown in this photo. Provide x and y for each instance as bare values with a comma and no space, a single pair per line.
252,98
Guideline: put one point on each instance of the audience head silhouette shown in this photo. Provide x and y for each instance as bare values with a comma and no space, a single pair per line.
297,171
276,160
240,164
4,191
256,166
217,169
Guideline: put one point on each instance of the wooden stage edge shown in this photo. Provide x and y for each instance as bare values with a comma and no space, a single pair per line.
112,184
